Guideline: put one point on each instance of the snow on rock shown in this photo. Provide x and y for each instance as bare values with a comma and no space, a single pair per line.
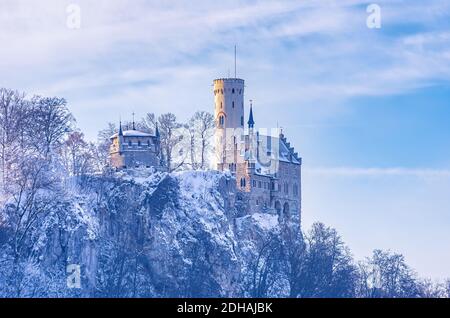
145,233
267,222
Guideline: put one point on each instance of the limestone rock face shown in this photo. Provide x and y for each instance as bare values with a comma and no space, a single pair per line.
144,234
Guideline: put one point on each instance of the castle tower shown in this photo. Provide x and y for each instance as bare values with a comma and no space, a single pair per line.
229,117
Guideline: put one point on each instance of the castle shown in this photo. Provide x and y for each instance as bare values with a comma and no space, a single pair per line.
266,167
133,149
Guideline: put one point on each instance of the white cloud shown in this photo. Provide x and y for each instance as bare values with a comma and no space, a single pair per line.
378,172
293,53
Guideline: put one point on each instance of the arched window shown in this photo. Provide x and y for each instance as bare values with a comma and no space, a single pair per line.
221,121
232,104
242,182
278,207
221,106
286,212
232,90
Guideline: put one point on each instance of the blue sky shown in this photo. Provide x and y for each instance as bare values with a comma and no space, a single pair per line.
368,109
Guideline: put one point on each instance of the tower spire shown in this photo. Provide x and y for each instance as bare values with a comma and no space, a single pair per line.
134,127
120,128
251,122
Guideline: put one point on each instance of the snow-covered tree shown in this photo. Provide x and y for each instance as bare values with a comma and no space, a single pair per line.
201,129
172,135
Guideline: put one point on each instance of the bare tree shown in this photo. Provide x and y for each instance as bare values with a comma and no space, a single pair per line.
171,138
30,131
51,122
77,155
326,267
200,128
386,275
101,153
148,123
13,113
265,269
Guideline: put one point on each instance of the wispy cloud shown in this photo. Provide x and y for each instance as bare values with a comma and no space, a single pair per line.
305,51
378,172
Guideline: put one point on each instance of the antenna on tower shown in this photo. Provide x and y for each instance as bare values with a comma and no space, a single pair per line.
235,61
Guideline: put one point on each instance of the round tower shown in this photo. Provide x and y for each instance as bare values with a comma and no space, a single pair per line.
229,116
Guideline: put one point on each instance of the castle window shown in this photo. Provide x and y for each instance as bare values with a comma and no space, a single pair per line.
221,121
242,182
254,183
139,143
286,188
221,91
148,143
295,189
259,184
240,91
242,120
233,90
232,104
221,106
129,143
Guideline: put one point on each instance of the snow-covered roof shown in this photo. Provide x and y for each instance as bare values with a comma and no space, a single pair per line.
273,145
285,153
133,133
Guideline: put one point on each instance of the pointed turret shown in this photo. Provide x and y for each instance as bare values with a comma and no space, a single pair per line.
120,139
251,122
120,129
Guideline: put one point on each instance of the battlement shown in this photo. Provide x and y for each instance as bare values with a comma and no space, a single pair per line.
229,80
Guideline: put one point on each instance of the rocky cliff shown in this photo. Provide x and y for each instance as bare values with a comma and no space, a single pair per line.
142,234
